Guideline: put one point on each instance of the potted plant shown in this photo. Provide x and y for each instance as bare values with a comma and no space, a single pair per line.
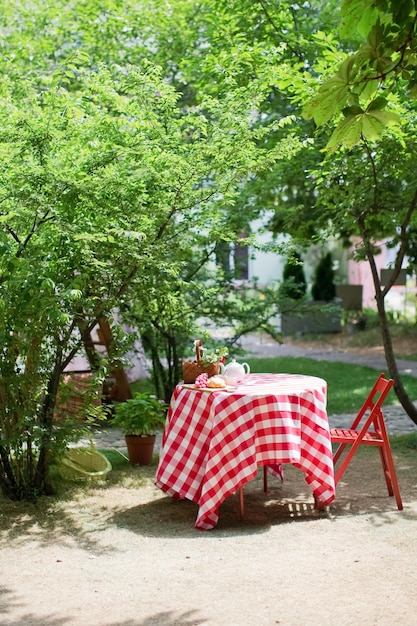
139,418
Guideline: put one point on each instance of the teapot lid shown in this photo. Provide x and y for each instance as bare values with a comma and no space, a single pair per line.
234,362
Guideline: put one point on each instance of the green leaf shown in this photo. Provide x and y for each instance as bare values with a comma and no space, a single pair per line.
401,10
347,133
367,20
388,118
353,110
377,104
73,294
47,284
332,94
8,217
351,14
368,88
365,55
370,124
372,128
345,70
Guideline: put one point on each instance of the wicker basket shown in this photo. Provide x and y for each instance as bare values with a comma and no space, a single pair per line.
192,369
83,464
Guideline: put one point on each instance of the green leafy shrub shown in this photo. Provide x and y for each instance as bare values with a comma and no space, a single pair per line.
324,287
294,284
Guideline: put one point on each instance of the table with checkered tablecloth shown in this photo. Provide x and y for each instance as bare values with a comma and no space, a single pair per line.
214,440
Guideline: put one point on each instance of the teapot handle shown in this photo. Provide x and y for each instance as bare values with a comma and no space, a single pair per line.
246,368
221,368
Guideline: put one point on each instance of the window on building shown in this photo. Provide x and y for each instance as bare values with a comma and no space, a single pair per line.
234,259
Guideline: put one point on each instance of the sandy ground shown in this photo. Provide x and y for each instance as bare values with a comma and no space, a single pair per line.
130,556
124,554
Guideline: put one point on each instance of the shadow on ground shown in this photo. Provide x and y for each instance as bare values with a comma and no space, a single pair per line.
361,492
143,509
163,618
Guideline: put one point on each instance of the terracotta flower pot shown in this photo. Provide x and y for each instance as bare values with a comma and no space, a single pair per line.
140,449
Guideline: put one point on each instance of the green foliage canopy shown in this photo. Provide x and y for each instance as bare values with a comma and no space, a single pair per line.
113,191
365,87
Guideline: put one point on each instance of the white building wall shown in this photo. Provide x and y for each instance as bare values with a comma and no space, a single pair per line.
266,267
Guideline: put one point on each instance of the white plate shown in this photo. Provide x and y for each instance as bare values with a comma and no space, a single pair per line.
209,389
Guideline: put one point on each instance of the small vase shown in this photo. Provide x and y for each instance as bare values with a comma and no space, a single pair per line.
140,449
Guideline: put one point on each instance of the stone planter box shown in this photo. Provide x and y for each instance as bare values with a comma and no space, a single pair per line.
313,322
386,275
350,296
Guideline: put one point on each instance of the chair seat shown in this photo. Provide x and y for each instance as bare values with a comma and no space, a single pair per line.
346,435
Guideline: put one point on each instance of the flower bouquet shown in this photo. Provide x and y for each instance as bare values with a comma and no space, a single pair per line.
204,363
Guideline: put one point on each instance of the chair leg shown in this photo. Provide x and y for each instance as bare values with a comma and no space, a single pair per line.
338,473
241,496
318,504
391,476
241,503
387,467
339,451
386,471
388,464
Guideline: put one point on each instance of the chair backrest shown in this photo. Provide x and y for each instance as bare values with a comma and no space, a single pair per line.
375,400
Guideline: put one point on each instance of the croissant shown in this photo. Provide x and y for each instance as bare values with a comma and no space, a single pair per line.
216,382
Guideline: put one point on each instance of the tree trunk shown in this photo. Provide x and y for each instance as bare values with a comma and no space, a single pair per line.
401,393
380,294
42,480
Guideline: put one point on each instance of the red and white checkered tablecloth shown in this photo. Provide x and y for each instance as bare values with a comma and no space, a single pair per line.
214,441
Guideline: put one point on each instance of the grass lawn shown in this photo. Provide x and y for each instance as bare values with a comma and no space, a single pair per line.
347,385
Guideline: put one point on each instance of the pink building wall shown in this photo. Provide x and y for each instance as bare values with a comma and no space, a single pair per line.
359,273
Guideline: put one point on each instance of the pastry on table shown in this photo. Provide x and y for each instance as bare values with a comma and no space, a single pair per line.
216,382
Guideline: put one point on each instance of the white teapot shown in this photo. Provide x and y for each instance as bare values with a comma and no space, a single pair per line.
234,372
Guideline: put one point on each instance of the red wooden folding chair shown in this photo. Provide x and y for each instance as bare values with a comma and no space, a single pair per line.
368,428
